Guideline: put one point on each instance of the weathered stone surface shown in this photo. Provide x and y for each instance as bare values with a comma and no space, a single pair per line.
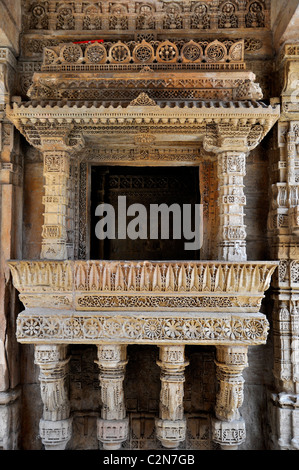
169,83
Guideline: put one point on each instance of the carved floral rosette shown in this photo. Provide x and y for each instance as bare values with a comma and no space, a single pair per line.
199,328
61,57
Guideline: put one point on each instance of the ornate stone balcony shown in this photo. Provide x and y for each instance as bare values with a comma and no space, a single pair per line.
142,302
113,304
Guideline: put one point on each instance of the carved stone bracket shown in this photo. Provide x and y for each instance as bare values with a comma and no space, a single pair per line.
56,424
171,425
113,427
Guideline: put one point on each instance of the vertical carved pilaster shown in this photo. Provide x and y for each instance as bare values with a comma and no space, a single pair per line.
232,231
56,424
229,427
283,229
171,425
113,427
54,234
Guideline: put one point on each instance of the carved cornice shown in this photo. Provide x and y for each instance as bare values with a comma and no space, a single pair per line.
36,122
109,285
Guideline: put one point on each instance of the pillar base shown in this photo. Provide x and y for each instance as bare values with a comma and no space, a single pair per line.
170,433
55,434
10,419
229,434
112,433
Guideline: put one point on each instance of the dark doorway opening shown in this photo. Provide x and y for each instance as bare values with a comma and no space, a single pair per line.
146,186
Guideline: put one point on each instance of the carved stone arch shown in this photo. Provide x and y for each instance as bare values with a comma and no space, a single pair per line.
92,7
167,52
143,53
200,16
145,16
50,57
216,52
255,14
191,52
92,19
95,53
228,14
71,53
173,16
38,16
119,53
118,18
145,7
65,19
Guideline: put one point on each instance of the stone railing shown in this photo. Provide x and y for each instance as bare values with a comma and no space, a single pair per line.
142,302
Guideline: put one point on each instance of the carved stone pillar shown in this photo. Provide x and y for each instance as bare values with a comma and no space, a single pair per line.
54,234
283,229
56,424
113,427
171,425
229,427
232,231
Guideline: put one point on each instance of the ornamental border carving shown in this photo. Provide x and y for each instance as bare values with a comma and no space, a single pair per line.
141,328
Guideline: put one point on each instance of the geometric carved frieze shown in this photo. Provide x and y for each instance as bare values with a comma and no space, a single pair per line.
44,325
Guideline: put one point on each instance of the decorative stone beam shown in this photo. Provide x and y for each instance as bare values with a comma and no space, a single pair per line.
56,424
171,425
113,427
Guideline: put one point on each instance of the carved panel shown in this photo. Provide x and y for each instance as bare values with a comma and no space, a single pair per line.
144,16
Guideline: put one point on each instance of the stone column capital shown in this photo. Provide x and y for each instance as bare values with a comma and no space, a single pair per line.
238,136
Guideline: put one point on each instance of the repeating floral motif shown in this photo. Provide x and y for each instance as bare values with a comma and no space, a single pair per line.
162,52
140,329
